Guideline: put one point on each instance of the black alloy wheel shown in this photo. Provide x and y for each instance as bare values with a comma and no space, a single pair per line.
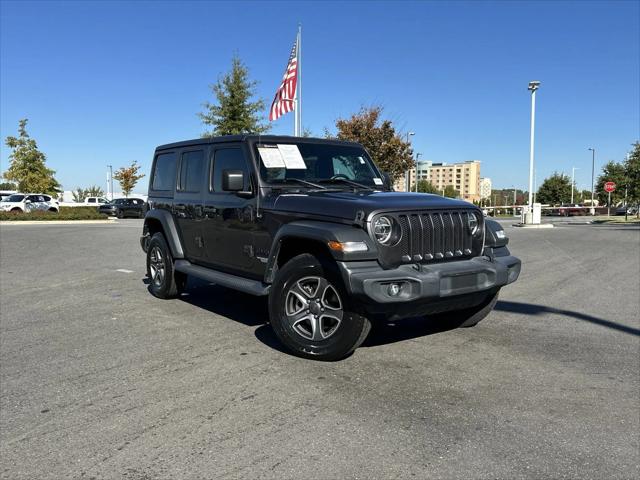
311,312
164,281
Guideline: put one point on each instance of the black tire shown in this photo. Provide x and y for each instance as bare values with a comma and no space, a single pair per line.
470,317
305,316
119,213
164,282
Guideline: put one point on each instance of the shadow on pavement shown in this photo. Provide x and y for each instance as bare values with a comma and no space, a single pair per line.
240,307
532,309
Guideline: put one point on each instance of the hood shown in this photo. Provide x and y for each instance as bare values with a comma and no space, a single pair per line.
347,204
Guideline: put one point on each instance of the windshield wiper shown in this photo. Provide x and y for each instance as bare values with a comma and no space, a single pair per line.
303,182
348,182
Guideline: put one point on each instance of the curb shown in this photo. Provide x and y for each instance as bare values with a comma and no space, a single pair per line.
57,222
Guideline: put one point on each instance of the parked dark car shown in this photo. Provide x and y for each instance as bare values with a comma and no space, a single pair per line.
124,207
315,226
627,210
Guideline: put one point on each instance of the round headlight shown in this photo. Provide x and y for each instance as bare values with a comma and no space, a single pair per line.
473,223
383,229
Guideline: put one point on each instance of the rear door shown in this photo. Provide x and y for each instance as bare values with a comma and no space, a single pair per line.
187,204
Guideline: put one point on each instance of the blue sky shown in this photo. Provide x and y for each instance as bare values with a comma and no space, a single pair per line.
105,82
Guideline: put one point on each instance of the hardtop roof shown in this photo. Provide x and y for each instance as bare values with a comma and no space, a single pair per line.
253,138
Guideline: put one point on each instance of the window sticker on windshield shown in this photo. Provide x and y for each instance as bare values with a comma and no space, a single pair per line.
377,181
291,156
271,157
361,160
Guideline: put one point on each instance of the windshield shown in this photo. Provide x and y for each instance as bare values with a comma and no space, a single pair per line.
13,198
318,164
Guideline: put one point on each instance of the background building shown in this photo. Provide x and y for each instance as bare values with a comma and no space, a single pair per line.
464,177
485,188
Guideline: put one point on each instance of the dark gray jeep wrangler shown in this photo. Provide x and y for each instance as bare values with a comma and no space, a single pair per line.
314,225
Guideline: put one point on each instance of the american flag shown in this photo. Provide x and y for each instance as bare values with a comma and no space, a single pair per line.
283,102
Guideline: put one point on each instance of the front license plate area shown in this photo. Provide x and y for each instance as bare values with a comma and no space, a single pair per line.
465,283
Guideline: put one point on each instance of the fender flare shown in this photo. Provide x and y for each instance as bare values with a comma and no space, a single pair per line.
491,239
321,232
168,228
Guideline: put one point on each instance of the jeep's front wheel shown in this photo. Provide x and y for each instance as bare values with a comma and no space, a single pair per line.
164,282
310,311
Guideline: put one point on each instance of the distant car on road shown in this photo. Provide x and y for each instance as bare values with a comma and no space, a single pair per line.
95,201
124,207
567,210
29,202
626,210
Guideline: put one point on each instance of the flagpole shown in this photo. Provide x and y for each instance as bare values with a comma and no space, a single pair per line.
297,127
299,83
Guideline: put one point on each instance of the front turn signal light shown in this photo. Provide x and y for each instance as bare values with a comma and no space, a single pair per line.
348,247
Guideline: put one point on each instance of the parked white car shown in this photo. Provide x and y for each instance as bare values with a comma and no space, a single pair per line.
29,202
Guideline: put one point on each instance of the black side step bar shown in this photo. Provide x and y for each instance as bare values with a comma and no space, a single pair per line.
254,287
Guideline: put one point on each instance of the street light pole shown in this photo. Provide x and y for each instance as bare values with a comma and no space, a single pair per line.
533,86
573,179
417,158
111,179
593,170
408,174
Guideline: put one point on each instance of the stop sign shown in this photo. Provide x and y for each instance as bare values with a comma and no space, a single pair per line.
609,187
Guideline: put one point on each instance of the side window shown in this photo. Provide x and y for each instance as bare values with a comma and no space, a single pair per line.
191,171
228,159
92,200
164,172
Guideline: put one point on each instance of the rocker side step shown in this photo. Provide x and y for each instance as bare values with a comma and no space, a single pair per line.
254,287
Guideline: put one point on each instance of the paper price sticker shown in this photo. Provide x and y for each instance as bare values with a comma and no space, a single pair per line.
271,157
291,157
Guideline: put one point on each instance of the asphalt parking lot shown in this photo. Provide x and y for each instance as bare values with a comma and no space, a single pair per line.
98,379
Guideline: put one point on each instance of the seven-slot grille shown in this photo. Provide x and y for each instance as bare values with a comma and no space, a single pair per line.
434,236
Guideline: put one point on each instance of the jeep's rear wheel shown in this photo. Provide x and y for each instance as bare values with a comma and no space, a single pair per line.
309,310
164,281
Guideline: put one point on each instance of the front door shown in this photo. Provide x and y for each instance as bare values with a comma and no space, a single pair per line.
229,217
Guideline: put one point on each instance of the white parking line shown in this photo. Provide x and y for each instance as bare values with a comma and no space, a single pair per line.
124,270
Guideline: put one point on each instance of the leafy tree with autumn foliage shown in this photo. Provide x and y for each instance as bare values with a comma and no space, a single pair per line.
28,167
127,177
390,152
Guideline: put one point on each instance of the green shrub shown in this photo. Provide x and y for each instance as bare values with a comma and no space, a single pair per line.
66,213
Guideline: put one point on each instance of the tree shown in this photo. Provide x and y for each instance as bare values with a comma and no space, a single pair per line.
555,189
632,172
8,186
28,164
611,172
79,195
234,112
94,191
127,177
425,186
451,192
390,152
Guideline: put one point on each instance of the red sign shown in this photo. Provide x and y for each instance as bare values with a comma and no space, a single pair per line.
609,187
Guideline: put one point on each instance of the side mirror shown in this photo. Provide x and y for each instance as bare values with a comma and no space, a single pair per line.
27,201
233,181
386,180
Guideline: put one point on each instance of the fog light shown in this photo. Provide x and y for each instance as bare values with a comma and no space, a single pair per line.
394,289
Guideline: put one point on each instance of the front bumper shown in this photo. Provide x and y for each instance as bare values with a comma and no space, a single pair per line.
417,283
